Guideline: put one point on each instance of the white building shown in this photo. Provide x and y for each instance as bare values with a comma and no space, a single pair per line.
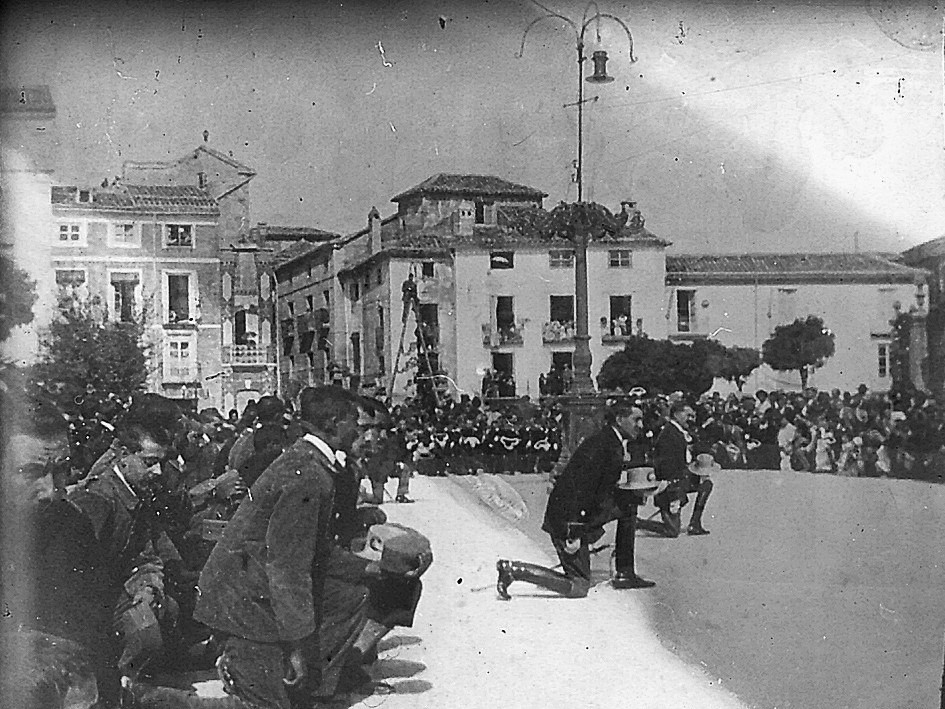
740,299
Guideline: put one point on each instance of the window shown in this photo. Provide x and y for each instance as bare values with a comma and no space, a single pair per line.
69,281
310,302
124,285
179,360
426,269
356,352
620,258
85,196
355,291
179,235
202,180
291,307
562,309
326,297
561,258
71,235
502,259
380,277
504,312
685,299
620,315
480,213
178,298
882,352
125,234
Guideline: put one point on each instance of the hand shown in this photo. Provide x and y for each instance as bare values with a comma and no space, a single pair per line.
295,672
571,546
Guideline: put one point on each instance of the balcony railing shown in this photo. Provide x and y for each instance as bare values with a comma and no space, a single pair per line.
247,354
556,331
502,336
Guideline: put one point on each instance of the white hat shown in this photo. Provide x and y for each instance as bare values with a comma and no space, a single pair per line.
643,478
704,465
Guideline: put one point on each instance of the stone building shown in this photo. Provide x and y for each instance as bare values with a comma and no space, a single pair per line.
931,257
740,299
493,293
29,156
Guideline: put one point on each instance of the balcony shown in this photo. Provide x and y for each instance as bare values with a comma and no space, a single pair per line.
555,331
616,332
241,355
503,336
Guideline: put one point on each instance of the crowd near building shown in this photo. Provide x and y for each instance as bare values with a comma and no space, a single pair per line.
234,311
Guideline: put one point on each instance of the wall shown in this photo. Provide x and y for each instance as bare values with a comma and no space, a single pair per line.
531,283
857,314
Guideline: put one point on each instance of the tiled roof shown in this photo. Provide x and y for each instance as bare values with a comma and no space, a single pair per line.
26,99
149,199
291,233
164,199
786,268
470,186
293,251
930,249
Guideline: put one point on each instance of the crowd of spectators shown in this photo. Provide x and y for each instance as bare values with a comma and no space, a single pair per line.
121,527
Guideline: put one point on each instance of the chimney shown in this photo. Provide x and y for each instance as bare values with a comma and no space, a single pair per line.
374,230
466,217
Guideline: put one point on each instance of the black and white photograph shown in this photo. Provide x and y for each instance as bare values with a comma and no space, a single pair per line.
472,353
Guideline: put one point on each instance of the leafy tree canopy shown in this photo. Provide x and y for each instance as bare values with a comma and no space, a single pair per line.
17,295
800,346
86,359
659,366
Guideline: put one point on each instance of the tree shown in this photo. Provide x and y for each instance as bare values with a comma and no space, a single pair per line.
17,295
86,359
801,346
659,366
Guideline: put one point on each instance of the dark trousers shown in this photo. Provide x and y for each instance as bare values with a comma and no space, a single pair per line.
627,502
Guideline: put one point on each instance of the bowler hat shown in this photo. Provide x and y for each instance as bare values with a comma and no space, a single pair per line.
704,465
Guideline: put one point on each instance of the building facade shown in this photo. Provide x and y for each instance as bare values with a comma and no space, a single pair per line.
931,257
494,294
29,153
740,299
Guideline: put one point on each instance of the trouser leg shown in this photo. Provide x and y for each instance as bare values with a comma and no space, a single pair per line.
403,481
377,486
344,609
703,491
543,577
624,542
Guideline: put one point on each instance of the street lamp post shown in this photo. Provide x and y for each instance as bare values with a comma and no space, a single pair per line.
580,406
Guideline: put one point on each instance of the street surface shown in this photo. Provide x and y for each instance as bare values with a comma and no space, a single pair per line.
812,591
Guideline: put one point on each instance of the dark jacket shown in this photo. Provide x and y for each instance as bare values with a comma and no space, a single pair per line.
669,454
264,579
583,493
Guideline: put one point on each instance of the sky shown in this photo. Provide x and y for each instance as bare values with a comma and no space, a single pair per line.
741,126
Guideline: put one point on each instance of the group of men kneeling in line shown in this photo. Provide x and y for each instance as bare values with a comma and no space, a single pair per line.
297,591
606,479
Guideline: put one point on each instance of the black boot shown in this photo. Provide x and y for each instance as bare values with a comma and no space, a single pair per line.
695,522
541,576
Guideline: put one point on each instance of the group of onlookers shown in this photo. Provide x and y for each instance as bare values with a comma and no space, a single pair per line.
171,541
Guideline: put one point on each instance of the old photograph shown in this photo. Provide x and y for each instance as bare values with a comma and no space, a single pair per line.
472,353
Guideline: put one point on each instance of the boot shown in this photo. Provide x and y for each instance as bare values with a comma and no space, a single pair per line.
695,522
510,571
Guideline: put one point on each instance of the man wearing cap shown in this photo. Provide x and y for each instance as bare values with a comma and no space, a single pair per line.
581,502
673,462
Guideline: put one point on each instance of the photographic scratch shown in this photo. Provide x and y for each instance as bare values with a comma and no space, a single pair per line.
373,88
515,145
392,128
380,48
